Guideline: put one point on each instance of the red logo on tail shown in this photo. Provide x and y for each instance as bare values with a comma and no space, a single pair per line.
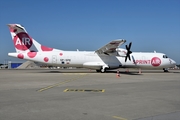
22,41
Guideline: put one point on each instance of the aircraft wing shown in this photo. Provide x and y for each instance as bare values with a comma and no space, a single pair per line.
110,47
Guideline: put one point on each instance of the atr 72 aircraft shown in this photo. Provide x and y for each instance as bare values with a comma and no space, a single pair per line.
107,57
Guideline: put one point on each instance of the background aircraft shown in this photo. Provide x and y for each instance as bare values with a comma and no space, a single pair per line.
109,56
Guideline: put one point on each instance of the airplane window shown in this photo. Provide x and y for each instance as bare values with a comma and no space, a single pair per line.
165,56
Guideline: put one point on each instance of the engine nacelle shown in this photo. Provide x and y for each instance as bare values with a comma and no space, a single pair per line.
121,52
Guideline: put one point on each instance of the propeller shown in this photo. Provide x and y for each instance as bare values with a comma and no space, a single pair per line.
128,52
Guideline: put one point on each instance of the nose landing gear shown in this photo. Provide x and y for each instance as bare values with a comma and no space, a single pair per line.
165,70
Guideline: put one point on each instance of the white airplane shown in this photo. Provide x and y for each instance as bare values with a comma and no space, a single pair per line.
107,57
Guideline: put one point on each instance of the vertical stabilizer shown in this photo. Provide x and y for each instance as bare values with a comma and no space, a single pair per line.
23,42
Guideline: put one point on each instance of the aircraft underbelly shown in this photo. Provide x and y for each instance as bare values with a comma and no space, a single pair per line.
93,65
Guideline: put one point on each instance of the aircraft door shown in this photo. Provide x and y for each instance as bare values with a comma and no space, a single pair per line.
54,59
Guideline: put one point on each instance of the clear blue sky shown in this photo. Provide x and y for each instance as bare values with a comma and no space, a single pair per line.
89,24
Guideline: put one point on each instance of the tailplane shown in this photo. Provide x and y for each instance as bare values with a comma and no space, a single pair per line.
23,42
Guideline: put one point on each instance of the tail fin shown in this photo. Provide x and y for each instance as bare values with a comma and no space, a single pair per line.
23,42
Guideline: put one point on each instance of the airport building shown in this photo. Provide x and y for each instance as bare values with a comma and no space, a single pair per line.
14,64
22,65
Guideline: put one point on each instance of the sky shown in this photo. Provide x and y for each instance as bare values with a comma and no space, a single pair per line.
87,25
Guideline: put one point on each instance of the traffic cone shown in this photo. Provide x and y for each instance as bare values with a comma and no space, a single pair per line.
118,74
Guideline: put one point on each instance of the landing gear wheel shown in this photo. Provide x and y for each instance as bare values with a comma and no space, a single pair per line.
98,70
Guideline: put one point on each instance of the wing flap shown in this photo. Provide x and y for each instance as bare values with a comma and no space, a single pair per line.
110,47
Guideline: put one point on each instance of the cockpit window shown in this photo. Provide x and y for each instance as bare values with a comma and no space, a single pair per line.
165,56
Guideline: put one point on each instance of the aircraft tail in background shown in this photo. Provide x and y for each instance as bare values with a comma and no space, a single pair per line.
23,42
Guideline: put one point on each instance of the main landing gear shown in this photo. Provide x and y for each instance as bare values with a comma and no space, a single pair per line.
102,70
98,70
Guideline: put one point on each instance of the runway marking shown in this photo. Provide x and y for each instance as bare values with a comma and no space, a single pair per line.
57,84
119,118
84,90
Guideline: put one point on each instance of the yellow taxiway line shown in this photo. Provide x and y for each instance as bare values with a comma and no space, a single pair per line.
60,83
119,118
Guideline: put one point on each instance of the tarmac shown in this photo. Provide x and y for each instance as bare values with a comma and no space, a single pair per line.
81,94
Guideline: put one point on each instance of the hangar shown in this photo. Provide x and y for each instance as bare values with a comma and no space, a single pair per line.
22,65
14,64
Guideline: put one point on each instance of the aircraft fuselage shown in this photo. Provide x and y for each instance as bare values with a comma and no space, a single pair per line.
94,61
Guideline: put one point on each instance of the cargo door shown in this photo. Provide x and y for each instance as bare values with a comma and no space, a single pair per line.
54,59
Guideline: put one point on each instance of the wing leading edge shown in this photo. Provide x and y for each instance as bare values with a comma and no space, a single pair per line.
110,47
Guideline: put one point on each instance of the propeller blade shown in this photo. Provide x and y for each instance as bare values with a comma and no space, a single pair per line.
126,47
128,52
125,58
129,57
130,45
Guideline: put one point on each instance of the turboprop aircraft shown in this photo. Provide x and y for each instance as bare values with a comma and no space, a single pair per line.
107,57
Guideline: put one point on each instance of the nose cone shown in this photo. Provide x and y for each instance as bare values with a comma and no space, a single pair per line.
173,62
